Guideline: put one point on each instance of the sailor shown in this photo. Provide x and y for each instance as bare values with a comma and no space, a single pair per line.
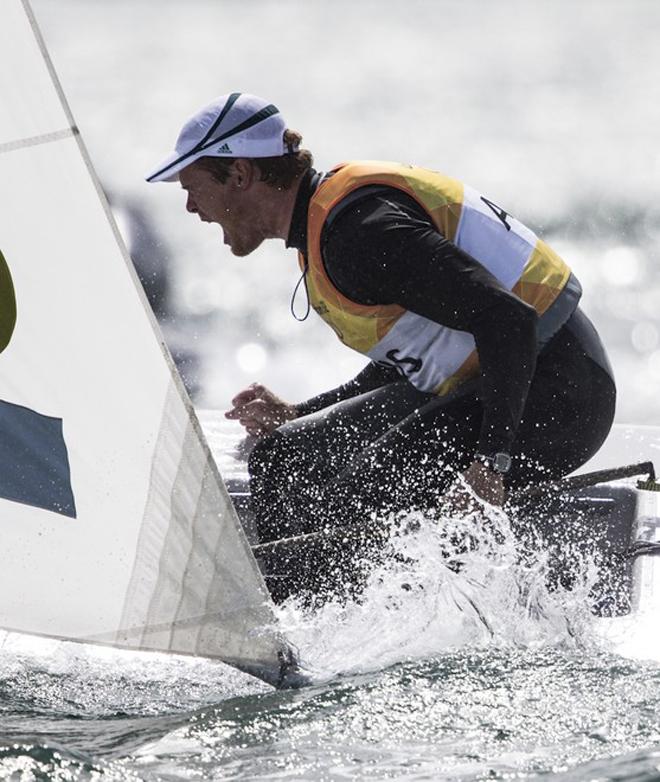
484,374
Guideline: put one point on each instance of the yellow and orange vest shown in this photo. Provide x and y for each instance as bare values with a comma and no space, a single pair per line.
435,358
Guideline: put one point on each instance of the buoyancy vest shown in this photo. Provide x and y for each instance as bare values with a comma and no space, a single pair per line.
435,358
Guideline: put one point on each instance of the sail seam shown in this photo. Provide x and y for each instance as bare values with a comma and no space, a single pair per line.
34,141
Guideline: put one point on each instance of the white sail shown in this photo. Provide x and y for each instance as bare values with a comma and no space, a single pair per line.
115,526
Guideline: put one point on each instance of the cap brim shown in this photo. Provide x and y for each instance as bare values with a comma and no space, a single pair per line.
168,169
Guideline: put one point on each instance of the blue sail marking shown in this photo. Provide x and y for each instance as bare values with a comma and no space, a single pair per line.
35,463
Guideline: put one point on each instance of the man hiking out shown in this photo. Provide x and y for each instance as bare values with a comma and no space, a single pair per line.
481,362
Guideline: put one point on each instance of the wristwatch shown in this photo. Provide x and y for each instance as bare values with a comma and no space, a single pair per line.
498,462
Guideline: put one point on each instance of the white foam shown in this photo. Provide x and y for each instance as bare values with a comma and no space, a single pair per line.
416,606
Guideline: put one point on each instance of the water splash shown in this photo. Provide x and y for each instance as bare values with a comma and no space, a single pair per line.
445,582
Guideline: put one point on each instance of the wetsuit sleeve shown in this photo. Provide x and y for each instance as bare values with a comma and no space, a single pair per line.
385,249
372,376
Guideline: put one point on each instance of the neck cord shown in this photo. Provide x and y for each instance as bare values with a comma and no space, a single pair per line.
303,280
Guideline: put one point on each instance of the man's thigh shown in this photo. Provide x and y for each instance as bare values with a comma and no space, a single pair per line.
334,436
412,463
290,469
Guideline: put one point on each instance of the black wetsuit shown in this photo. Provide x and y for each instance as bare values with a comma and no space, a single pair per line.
377,443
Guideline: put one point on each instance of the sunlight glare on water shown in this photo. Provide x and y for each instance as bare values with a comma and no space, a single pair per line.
432,672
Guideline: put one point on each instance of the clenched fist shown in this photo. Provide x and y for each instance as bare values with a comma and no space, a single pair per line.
260,411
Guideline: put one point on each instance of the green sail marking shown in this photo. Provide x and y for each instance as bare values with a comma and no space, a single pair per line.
7,304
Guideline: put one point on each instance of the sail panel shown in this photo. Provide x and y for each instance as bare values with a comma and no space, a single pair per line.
23,120
149,553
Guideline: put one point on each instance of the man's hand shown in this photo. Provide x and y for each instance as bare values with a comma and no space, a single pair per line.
484,482
260,411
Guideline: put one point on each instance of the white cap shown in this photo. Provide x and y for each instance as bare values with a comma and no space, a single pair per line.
236,125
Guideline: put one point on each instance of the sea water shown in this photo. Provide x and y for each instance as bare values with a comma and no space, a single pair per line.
433,672
551,109
473,675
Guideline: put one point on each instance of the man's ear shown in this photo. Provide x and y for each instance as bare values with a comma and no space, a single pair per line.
244,173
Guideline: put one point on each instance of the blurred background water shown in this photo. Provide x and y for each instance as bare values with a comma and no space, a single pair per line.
550,108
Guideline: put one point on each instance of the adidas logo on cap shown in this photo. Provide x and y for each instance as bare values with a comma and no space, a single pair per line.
225,149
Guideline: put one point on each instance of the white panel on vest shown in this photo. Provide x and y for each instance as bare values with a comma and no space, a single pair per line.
423,351
494,238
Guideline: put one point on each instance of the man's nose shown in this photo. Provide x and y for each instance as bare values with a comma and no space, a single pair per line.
190,204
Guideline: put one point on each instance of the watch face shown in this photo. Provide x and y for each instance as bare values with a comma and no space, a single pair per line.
498,462
502,462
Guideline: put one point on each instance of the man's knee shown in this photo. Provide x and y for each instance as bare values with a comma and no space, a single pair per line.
280,466
266,453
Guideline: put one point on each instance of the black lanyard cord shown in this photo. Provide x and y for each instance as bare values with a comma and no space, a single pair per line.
303,279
